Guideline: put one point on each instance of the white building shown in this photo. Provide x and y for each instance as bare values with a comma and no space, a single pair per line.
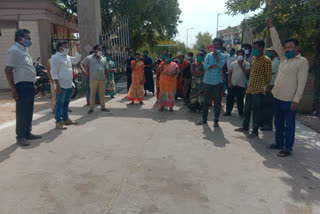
231,36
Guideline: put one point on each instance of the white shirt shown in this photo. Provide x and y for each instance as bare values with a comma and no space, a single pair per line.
230,60
238,77
61,68
23,69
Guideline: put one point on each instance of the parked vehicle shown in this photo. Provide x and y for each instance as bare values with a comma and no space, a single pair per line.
42,84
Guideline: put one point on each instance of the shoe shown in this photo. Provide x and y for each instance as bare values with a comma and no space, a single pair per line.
69,122
69,110
23,142
105,110
33,137
90,111
216,125
252,136
60,125
227,114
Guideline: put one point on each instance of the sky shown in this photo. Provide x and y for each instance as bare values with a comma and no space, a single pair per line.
202,16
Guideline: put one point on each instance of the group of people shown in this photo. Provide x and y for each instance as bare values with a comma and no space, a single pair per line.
271,83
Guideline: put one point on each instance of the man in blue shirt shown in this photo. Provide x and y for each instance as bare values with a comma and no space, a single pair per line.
212,81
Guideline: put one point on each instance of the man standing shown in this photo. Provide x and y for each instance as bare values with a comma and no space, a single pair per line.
98,68
237,78
129,70
267,117
148,63
260,76
212,80
21,76
62,75
287,91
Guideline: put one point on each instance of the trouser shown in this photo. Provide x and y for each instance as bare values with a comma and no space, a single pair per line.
238,92
24,109
267,115
285,123
253,105
100,86
209,91
62,104
129,80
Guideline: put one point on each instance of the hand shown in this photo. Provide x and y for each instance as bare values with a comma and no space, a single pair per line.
229,85
58,89
269,22
15,94
78,47
212,67
293,106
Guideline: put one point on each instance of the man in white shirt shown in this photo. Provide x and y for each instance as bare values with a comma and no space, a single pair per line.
62,75
287,91
21,76
267,117
237,78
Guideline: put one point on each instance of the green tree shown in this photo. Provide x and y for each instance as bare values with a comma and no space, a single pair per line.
203,39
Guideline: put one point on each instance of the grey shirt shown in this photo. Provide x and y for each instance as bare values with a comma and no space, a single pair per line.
20,60
97,67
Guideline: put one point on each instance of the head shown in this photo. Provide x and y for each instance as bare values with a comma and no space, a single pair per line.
203,52
63,47
247,49
271,53
138,56
181,58
169,57
217,43
22,36
199,57
190,56
240,54
131,53
163,56
145,53
258,48
232,51
97,50
291,48
108,56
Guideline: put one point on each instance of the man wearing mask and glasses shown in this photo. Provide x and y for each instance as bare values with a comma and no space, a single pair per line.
21,76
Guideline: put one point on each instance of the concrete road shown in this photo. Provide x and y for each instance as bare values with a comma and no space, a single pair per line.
136,160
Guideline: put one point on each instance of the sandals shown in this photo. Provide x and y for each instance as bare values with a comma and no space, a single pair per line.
274,146
284,153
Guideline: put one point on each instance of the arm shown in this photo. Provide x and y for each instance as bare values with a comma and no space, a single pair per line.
54,73
85,62
268,73
244,69
9,75
76,58
276,43
302,76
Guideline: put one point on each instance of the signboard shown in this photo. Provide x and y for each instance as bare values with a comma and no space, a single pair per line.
236,41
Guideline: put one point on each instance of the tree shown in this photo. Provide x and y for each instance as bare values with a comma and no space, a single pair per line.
203,39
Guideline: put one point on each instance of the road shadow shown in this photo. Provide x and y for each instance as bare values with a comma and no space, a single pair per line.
216,136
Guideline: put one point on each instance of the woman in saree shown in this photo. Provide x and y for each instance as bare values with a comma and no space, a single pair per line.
136,91
111,86
158,73
168,83
182,67
196,96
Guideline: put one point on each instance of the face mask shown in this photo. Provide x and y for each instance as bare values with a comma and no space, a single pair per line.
290,54
65,51
199,58
255,52
240,58
163,57
246,52
99,53
181,60
269,54
27,43
131,54
231,53
169,60
108,58
145,54
190,58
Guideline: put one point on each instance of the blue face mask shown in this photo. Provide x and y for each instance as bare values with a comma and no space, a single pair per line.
27,43
290,54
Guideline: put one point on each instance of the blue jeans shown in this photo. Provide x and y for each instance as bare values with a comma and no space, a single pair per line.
62,104
285,123
24,109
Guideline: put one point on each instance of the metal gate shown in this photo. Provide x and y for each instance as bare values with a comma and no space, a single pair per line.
117,44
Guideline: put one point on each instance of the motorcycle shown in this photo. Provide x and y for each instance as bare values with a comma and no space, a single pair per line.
42,84
76,82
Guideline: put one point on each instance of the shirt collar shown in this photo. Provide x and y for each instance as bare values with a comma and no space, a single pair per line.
21,46
61,54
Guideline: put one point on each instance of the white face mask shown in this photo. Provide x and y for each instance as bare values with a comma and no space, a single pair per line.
240,58
99,53
246,52
66,51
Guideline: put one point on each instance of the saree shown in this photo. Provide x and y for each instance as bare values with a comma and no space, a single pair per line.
111,88
180,91
158,80
136,91
197,88
168,86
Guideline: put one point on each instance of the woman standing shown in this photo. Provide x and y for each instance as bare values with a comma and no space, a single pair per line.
158,73
136,92
196,96
168,83
111,86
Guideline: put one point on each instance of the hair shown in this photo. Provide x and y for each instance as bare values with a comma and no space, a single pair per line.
232,49
295,41
20,33
96,47
224,48
60,44
190,53
247,45
91,52
203,52
260,43
218,40
137,54
241,51
145,51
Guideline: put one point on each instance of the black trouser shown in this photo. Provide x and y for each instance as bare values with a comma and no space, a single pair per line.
253,104
24,109
209,91
267,115
129,79
238,92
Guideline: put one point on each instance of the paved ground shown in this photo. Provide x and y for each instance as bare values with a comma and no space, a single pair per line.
136,160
